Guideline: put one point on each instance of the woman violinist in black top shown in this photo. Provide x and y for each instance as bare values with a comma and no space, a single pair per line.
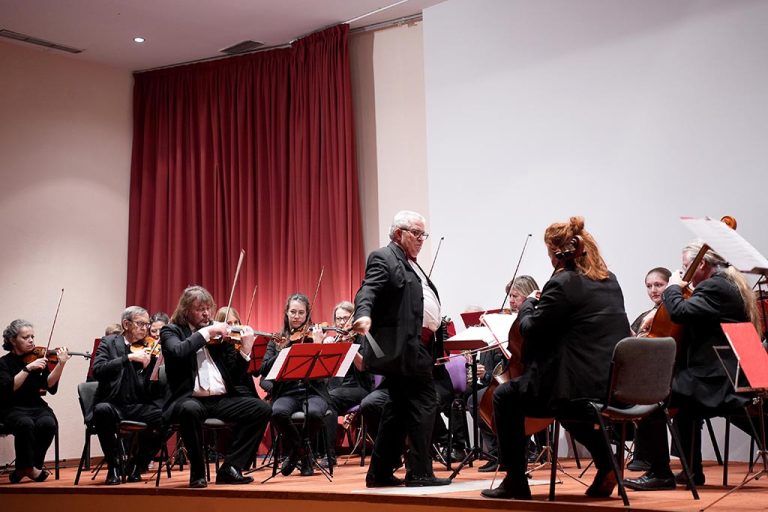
23,378
288,397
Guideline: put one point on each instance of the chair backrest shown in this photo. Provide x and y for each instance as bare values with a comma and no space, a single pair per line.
641,371
457,371
86,394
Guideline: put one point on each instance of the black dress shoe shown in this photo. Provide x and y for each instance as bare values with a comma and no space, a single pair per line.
134,473
698,478
113,476
385,481
306,467
509,489
229,474
198,483
651,482
43,476
426,481
488,467
289,464
603,485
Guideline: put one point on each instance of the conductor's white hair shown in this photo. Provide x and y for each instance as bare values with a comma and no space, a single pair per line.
404,219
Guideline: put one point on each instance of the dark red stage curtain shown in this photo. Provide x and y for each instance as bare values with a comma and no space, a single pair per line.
254,152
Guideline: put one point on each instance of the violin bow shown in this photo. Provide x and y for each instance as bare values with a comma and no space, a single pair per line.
250,307
55,316
506,295
312,304
435,258
234,283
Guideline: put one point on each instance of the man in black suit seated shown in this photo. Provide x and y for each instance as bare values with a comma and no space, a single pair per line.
125,394
400,307
208,379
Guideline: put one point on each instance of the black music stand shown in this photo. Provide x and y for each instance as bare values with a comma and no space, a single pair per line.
744,343
312,361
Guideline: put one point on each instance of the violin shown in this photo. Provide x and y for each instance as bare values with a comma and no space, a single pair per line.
50,354
150,345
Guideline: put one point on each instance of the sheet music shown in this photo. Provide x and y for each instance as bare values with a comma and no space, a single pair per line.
281,357
348,360
499,325
474,333
729,244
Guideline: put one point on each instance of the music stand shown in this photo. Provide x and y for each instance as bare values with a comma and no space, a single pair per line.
744,343
312,361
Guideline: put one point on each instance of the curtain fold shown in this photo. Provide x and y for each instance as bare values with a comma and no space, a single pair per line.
254,152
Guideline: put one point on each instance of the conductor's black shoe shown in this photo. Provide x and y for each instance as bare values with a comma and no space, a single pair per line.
198,483
603,485
134,473
229,474
425,481
509,489
289,464
385,481
651,482
698,478
113,476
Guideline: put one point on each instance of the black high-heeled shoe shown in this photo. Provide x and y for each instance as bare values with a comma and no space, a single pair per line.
43,476
15,477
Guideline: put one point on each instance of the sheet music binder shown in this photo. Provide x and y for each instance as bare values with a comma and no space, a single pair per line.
750,354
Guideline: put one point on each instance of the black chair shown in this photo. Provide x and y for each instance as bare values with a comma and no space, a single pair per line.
640,384
299,419
86,394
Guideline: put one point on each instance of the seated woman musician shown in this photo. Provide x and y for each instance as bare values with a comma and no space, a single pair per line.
656,281
232,320
700,387
568,337
23,378
289,397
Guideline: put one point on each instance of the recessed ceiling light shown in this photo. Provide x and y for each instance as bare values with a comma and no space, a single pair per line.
138,39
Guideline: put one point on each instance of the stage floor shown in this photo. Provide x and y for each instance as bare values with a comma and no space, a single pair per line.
347,492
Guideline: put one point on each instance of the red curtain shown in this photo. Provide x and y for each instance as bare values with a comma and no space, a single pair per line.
254,152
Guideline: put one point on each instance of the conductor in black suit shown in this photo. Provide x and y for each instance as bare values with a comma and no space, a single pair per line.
210,380
398,306
125,394
569,334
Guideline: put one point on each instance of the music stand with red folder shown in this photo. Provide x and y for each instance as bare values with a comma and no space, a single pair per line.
312,361
751,359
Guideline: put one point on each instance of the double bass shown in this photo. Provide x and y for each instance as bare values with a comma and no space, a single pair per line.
662,325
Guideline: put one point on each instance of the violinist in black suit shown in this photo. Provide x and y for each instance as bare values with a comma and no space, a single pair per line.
209,379
125,394
700,387
399,306
288,397
569,333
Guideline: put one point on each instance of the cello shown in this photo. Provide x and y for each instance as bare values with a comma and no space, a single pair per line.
662,325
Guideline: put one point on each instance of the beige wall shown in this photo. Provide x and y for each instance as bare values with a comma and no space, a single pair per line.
65,146
388,84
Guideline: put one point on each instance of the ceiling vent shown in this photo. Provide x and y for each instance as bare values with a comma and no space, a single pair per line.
242,47
39,42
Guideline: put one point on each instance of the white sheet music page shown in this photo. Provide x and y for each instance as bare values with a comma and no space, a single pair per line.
499,325
281,357
728,243
348,360
477,332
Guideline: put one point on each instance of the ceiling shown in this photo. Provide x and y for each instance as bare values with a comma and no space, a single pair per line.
179,31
